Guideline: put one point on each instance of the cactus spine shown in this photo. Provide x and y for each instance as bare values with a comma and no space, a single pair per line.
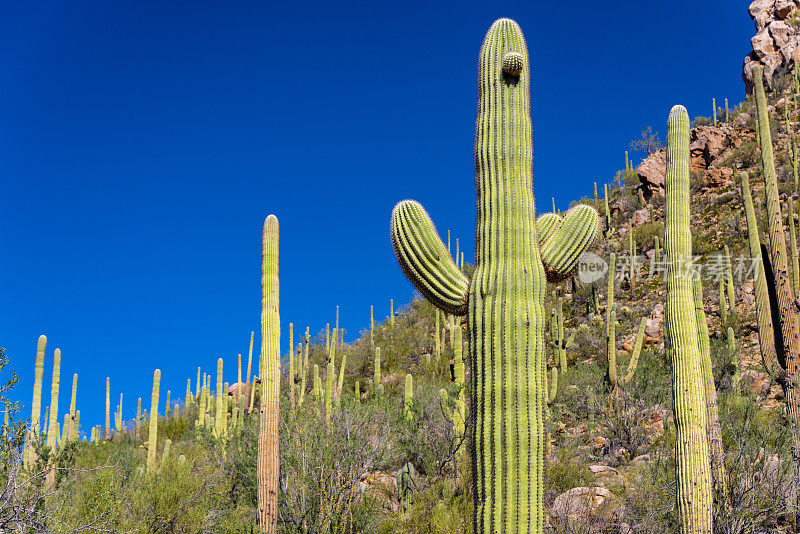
152,439
692,455
509,281
53,421
268,459
408,398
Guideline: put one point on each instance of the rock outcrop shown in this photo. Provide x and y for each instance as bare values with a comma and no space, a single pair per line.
776,43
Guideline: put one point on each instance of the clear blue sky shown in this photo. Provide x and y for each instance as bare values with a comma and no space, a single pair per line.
143,144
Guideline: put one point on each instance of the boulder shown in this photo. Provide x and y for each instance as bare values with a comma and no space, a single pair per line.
783,8
707,142
581,505
652,171
640,217
654,321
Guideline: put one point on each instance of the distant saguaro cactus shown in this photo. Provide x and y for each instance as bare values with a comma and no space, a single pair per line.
29,455
152,440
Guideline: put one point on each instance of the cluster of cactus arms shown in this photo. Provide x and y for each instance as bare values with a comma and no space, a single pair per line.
270,373
560,339
513,265
714,110
694,490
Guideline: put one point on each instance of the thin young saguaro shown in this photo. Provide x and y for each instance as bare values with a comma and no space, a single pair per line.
268,467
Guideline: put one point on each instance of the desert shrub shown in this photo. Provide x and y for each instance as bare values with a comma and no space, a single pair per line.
323,464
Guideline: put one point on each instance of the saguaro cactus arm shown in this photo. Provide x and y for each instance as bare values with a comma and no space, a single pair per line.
425,259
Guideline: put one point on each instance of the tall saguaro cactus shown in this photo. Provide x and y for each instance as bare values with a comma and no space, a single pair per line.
36,404
52,435
108,408
766,332
504,300
787,343
692,455
152,439
268,458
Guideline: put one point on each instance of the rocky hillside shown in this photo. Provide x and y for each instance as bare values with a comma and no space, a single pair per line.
777,40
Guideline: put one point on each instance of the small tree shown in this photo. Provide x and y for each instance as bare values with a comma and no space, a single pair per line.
648,143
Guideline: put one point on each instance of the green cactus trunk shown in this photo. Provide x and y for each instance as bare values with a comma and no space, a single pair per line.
53,421
612,266
290,377
376,376
408,398
460,414
152,439
729,285
358,393
268,467
692,455
793,249
72,435
329,372
29,455
766,332
714,109
716,451
218,412
249,362
504,300
731,343
108,408
788,350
